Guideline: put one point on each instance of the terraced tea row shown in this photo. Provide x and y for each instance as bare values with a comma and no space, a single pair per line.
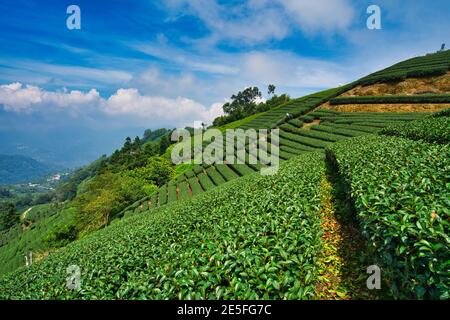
400,192
293,141
426,98
254,238
297,107
430,65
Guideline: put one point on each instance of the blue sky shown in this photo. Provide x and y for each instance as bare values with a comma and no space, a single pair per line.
148,64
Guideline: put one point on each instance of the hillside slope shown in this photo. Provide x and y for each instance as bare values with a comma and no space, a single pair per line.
225,231
18,168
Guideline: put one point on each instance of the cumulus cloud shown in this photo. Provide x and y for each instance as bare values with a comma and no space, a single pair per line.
179,110
130,103
20,98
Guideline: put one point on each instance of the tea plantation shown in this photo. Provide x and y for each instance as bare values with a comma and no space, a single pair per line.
224,231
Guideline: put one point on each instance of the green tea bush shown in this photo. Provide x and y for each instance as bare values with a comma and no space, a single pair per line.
296,122
184,190
426,98
401,197
258,237
295,145
242,169
315,143
338,131
215,176
205,182
163,195
171,193
195,186
429,129
226,172
443,113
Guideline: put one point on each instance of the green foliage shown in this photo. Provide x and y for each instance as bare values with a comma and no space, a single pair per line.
296,122
242,169
162,195
17,241
105,197
61,235
347,132
296,107
435,129
205,182
157,170
249,239
352,127
307,119
310,142
443,113
184,190
312,134
195,186
152,135
271,89
400,193
243,105
226,172
426,66
215,176
8,216
171,193
425,98
68,190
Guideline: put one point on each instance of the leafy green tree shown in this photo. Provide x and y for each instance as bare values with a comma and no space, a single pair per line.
137,143
127,146
243,103
271,89
8,215
158,171
164,143
104,197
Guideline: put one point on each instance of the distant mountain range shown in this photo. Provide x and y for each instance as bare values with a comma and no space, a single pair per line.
19,169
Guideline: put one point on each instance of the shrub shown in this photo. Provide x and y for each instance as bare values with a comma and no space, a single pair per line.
426,98
163,195
400,193
248,239
342,132
205,182
195,186
226,172
429,129
296,122
215,176
61,235
242,169
304,140
172,193
184,190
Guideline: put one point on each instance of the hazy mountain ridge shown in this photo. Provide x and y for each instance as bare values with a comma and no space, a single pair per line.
19,168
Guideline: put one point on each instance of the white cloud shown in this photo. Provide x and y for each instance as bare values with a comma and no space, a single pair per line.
258,21
123,103
16,98
178,111
320,15
19,98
